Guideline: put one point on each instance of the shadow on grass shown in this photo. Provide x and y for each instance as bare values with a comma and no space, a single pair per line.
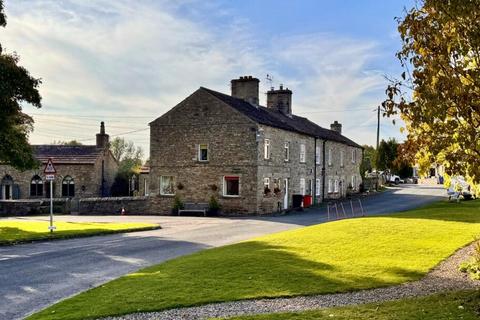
256,270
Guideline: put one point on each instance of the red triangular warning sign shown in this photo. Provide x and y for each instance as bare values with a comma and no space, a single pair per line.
49,168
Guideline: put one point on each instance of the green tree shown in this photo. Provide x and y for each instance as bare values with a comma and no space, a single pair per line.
386,154
130,159
369,159
16,87
129,156
438,94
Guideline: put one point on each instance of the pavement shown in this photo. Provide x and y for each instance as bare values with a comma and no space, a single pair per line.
36,275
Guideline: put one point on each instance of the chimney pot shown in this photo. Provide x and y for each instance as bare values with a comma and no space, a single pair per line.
102,137
246,88
336,126
280,100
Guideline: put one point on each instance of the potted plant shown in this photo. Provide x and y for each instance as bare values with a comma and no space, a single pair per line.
266,191
177,205
213,206
277,191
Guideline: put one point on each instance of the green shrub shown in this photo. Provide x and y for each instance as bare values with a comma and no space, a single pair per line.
177,204
213,206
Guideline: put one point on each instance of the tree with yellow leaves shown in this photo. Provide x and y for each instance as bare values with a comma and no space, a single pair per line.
438,94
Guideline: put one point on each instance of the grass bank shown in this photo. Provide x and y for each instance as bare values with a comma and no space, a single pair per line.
333,257
13,231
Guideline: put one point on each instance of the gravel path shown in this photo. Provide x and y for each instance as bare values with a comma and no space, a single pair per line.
444,277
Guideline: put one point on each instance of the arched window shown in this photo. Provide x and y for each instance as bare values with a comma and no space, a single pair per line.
7,187
68,187
36,186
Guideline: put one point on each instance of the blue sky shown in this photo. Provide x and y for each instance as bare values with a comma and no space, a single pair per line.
127,62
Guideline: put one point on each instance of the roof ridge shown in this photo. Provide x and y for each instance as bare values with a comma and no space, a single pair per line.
274,118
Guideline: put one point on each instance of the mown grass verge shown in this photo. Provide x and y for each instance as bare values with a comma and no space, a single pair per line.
15,232
333,257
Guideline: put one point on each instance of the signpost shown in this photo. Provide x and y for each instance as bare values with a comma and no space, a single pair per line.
49,172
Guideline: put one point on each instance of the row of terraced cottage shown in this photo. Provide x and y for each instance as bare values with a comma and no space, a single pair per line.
250,158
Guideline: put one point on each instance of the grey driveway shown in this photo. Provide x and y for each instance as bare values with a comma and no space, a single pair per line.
33,276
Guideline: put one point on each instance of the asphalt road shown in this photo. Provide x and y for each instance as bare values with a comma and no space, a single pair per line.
33,276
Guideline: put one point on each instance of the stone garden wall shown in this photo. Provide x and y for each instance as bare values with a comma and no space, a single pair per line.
86,206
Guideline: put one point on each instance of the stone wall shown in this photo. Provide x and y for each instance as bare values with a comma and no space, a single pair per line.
85,206
232,148
277,169
342,173
32,207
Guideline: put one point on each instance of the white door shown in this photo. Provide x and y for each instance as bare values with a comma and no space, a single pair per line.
285,194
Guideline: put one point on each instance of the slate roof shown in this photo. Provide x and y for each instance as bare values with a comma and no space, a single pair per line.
61,154
274,118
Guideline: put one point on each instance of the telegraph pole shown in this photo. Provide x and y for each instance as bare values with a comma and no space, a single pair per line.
378,141
378,126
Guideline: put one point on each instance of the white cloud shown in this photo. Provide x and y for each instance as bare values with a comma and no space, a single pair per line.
134,60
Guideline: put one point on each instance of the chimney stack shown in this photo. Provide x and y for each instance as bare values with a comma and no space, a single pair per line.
280,100
337,127
102,137
246,88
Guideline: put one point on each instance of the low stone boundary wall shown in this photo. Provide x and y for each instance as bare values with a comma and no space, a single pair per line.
87,206
32,207
111,205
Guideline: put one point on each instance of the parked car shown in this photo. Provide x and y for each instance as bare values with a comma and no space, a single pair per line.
395,179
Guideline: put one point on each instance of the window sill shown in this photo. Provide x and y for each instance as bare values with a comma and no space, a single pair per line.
231,196
203,161
167,195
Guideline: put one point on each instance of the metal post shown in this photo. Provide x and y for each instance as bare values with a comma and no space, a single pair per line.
51,206
361,207
343,209
351,205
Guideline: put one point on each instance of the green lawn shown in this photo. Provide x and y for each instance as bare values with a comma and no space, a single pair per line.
12,231
461,305
338,256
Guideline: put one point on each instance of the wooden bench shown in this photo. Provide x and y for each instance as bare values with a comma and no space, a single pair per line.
194,207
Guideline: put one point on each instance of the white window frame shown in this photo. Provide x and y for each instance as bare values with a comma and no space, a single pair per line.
286,149
303,152
266,149
354,182
317,155
354,155
317,187
302,186
330,185
336,186
200,152
161,186
225,187
330,156
342,158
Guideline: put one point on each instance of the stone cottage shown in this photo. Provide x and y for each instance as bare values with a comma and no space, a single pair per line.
251,158
82,171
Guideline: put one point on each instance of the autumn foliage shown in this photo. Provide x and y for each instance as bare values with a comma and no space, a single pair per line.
438,94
